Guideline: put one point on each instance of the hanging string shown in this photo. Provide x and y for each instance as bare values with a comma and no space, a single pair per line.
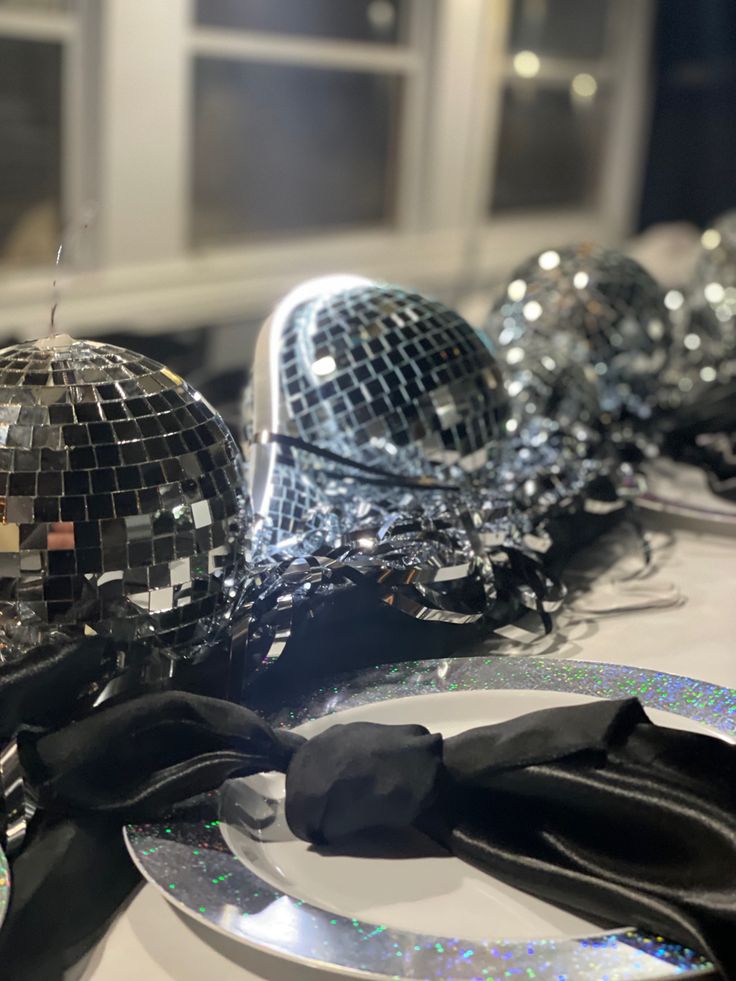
55,292
83,225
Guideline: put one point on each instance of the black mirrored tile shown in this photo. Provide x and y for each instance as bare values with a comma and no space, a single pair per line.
140,553
49,483
87,412
126,429
62,562
114,558
114,410
163,549
125,503
129,478
103,481
76,482
133,453
22,484
148,500
82,458
73,509
107,456
75,434
46,509
100,506
152,474
150,426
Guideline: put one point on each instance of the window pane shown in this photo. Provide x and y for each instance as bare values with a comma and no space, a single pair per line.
30,164
560,28
354,20
279,148
548,148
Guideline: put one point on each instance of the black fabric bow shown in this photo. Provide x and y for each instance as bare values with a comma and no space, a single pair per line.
592,807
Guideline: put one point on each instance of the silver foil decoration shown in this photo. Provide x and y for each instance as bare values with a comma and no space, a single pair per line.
590,307
712,296
382,375
123,508
400,387
704,353
381,453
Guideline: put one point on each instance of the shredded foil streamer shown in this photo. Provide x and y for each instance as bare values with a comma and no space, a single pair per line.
386,453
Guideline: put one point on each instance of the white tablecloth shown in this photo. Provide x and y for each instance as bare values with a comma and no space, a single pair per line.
150,940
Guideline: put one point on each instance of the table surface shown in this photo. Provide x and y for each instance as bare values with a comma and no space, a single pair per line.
694,637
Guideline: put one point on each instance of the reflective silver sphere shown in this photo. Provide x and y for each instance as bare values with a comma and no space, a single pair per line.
592,307
709,322
123,504
565,394
385,378
391,379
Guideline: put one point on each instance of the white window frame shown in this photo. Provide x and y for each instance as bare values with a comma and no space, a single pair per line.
127,117
502,239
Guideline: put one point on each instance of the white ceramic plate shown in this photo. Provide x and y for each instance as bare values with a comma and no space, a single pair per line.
231,861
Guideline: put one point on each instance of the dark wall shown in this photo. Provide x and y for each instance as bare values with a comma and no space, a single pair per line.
691,165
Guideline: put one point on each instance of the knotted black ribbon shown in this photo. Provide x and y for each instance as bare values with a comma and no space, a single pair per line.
591,807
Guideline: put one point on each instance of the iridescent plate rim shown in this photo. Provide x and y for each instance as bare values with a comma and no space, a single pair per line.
4,886
188,861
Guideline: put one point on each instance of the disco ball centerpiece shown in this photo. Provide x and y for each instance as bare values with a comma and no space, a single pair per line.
392,379
383,378
592,307
123,513
710,314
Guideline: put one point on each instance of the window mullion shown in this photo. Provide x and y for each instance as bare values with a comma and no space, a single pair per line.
412,121
462,98
625,144
143,131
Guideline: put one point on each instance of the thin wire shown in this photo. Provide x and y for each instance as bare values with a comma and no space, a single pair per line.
55,291
88,217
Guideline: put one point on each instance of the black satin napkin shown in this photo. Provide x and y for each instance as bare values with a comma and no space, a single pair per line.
45,686
124,762
591,807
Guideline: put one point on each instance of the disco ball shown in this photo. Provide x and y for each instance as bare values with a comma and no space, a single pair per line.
539,386
705,318
592,307
382,377
123,509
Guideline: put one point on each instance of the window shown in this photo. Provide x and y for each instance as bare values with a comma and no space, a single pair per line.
230,148
554,105
32,50
297,115
549,148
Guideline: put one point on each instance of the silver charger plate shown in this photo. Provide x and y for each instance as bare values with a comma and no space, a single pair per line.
192,862
678,493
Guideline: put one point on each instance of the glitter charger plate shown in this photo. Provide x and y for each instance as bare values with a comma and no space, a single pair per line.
4,885
191,861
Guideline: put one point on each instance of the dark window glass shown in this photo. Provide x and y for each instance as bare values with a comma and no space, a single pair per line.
30,150
560,28
353,20
280,148
549,148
